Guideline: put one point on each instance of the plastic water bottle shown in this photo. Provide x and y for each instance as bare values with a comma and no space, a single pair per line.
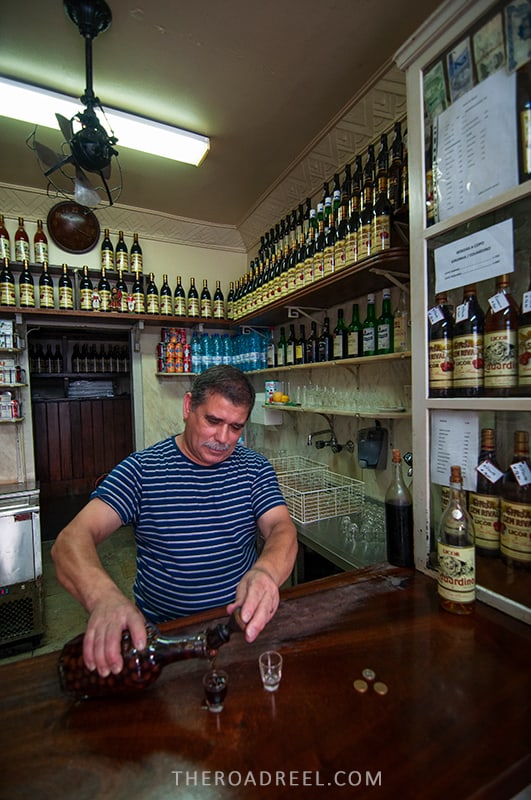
226,349
206,357
195,352
215,350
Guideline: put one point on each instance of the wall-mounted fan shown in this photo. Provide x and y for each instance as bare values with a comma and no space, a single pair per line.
86,147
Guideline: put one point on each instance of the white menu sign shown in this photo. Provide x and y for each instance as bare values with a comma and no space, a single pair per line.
475,145
454,441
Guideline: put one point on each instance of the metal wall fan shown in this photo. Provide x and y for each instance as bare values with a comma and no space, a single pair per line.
87,147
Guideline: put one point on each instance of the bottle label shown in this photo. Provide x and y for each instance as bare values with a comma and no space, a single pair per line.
351,249
384,337
522,473
219,310
166,305
456,578
105,300
485,512
281,357
353,339
318,266
500,348
400,334
152,304
340,254
435,314
122,260
308,271
364,241
138,302
299,353
338,345
107,259
22,250
193,307
66,297
369,341
525,128
5,249
329,261
206,308
381,234
180,306
524,353
46,297
27,295
468,360
41,251
136,262
7,294
85,300
301,275
440,364
515,538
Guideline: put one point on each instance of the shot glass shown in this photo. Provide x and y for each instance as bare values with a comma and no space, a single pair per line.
215,684
270,664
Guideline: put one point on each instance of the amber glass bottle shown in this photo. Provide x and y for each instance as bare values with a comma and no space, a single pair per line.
515,538
440,347
456,580
40,244
468,350
484,503
22,247
501,341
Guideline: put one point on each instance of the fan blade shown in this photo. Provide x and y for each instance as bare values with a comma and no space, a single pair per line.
111,202
66,126
45,154
84,192
62,163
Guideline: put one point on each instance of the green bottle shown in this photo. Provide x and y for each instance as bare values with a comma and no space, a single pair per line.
385,326
339,341
282,354
355,334
369,328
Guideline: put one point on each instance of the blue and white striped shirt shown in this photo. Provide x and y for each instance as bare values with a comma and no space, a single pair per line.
195,526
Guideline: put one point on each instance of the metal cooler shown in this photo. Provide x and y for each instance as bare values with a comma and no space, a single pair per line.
21,581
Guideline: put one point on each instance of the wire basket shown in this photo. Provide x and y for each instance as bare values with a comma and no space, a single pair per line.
291,464
320,494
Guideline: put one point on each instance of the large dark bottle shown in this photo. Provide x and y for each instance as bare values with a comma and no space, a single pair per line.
300,347
524,344
26,288
141,668
339,342
230,301
152,296
22,247
122,253
192,301
218,303
355,334
85,291
7,286
369,328
440,347
166,304
399,518
40,244
500,341
468,346
366,215
395,169
282,349
515,536
385,326
104,291
456,579
179,299
5,243
122,293
311,345
290,347
135,256
107,252
324,350
381,223
46,290
351,251
320,242
65,291
484,503
137,291
205,301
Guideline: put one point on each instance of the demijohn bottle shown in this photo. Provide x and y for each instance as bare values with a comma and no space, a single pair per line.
104,291
355,334
399,518
440,347
166,303
385,327
484,503
22,247
107,252
85,291
5,243
46,290
456,578
152,296
524,344
141,668
7,285
515,536
218,309
500,341
205,302
122,254
26,289
179,299
135,256
369,328
468,346
192,301
40,244
65,291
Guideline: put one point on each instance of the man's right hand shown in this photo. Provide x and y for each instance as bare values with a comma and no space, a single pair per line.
109,618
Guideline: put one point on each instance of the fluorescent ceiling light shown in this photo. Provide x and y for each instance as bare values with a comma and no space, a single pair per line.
39,106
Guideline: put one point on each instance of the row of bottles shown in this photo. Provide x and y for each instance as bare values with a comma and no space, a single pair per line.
85,358
352,221
473,353
121,257
140,297
375,335
22,250
247,351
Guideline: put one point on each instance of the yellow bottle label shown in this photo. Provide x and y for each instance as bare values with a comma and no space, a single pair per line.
329,261
308,271
105,300
193,307
5,249
456,578
27,295
440,364
340,255
136,262
152,304
292,279
22,250
66,297
7,294
180,307
46,297
500,348
318,266
515,538
468,360
364,241
107,259
524,355
139,302
485,512
351,249
381,234
85,299
41,252
166,305
122,260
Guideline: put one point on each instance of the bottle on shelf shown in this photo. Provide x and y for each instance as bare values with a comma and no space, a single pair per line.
456,578
65,291
290,347
76,355
104,291
121,256
311,345
5,242
135,256
515,535
85,291
501,341
523,99
40,244
7,285
385,326
329,247
141,668
218,303
366,214
271,350
484,503
282,348
440,347
195,352
46,288
310,248
107,252
26,288
205,301
395,169
399,517
179,299
382,212
320,242
192,300
300,346
230,301
401,324
355,334
356,184
324,348
166,302
58,359
369,328
121,293
339,341
22,246
524,344
139,300
49,360
152,295
467,346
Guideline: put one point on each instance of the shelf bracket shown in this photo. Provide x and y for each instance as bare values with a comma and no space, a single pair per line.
294,312
390,275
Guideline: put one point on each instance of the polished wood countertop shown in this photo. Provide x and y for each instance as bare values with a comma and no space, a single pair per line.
455,722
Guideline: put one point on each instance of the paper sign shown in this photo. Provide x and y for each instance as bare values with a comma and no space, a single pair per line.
454,441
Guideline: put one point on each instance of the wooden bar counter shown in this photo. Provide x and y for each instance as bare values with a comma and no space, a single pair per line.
455,723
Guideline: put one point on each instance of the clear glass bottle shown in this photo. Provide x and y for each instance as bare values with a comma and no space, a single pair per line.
399,517
456,579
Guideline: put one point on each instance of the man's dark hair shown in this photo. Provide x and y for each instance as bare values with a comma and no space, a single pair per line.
229,382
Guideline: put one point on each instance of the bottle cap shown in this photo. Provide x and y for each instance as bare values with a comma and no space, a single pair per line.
396,456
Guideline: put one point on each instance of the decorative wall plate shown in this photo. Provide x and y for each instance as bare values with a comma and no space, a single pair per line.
73,228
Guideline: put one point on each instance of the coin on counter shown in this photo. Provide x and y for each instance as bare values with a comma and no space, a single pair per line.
361,686
380,687
369,674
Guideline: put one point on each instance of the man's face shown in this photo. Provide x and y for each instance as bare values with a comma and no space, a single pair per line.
211,430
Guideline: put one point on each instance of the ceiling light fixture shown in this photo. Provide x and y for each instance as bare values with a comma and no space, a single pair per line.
39,106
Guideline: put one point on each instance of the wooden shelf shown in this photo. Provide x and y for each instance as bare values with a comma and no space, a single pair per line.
116,317
340,412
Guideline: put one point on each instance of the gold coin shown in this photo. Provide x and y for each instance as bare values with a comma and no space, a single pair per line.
361,686
369,674
380,687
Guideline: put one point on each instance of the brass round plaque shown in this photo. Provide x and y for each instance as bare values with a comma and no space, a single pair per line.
73,228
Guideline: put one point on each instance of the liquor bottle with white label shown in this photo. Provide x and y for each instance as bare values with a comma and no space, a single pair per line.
500,341
484,503
440,347
468,345
524,344
515,537
456,578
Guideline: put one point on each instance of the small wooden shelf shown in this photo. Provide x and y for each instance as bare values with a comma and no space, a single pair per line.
340,412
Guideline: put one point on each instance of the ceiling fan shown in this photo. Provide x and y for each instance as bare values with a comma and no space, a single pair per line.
86,146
